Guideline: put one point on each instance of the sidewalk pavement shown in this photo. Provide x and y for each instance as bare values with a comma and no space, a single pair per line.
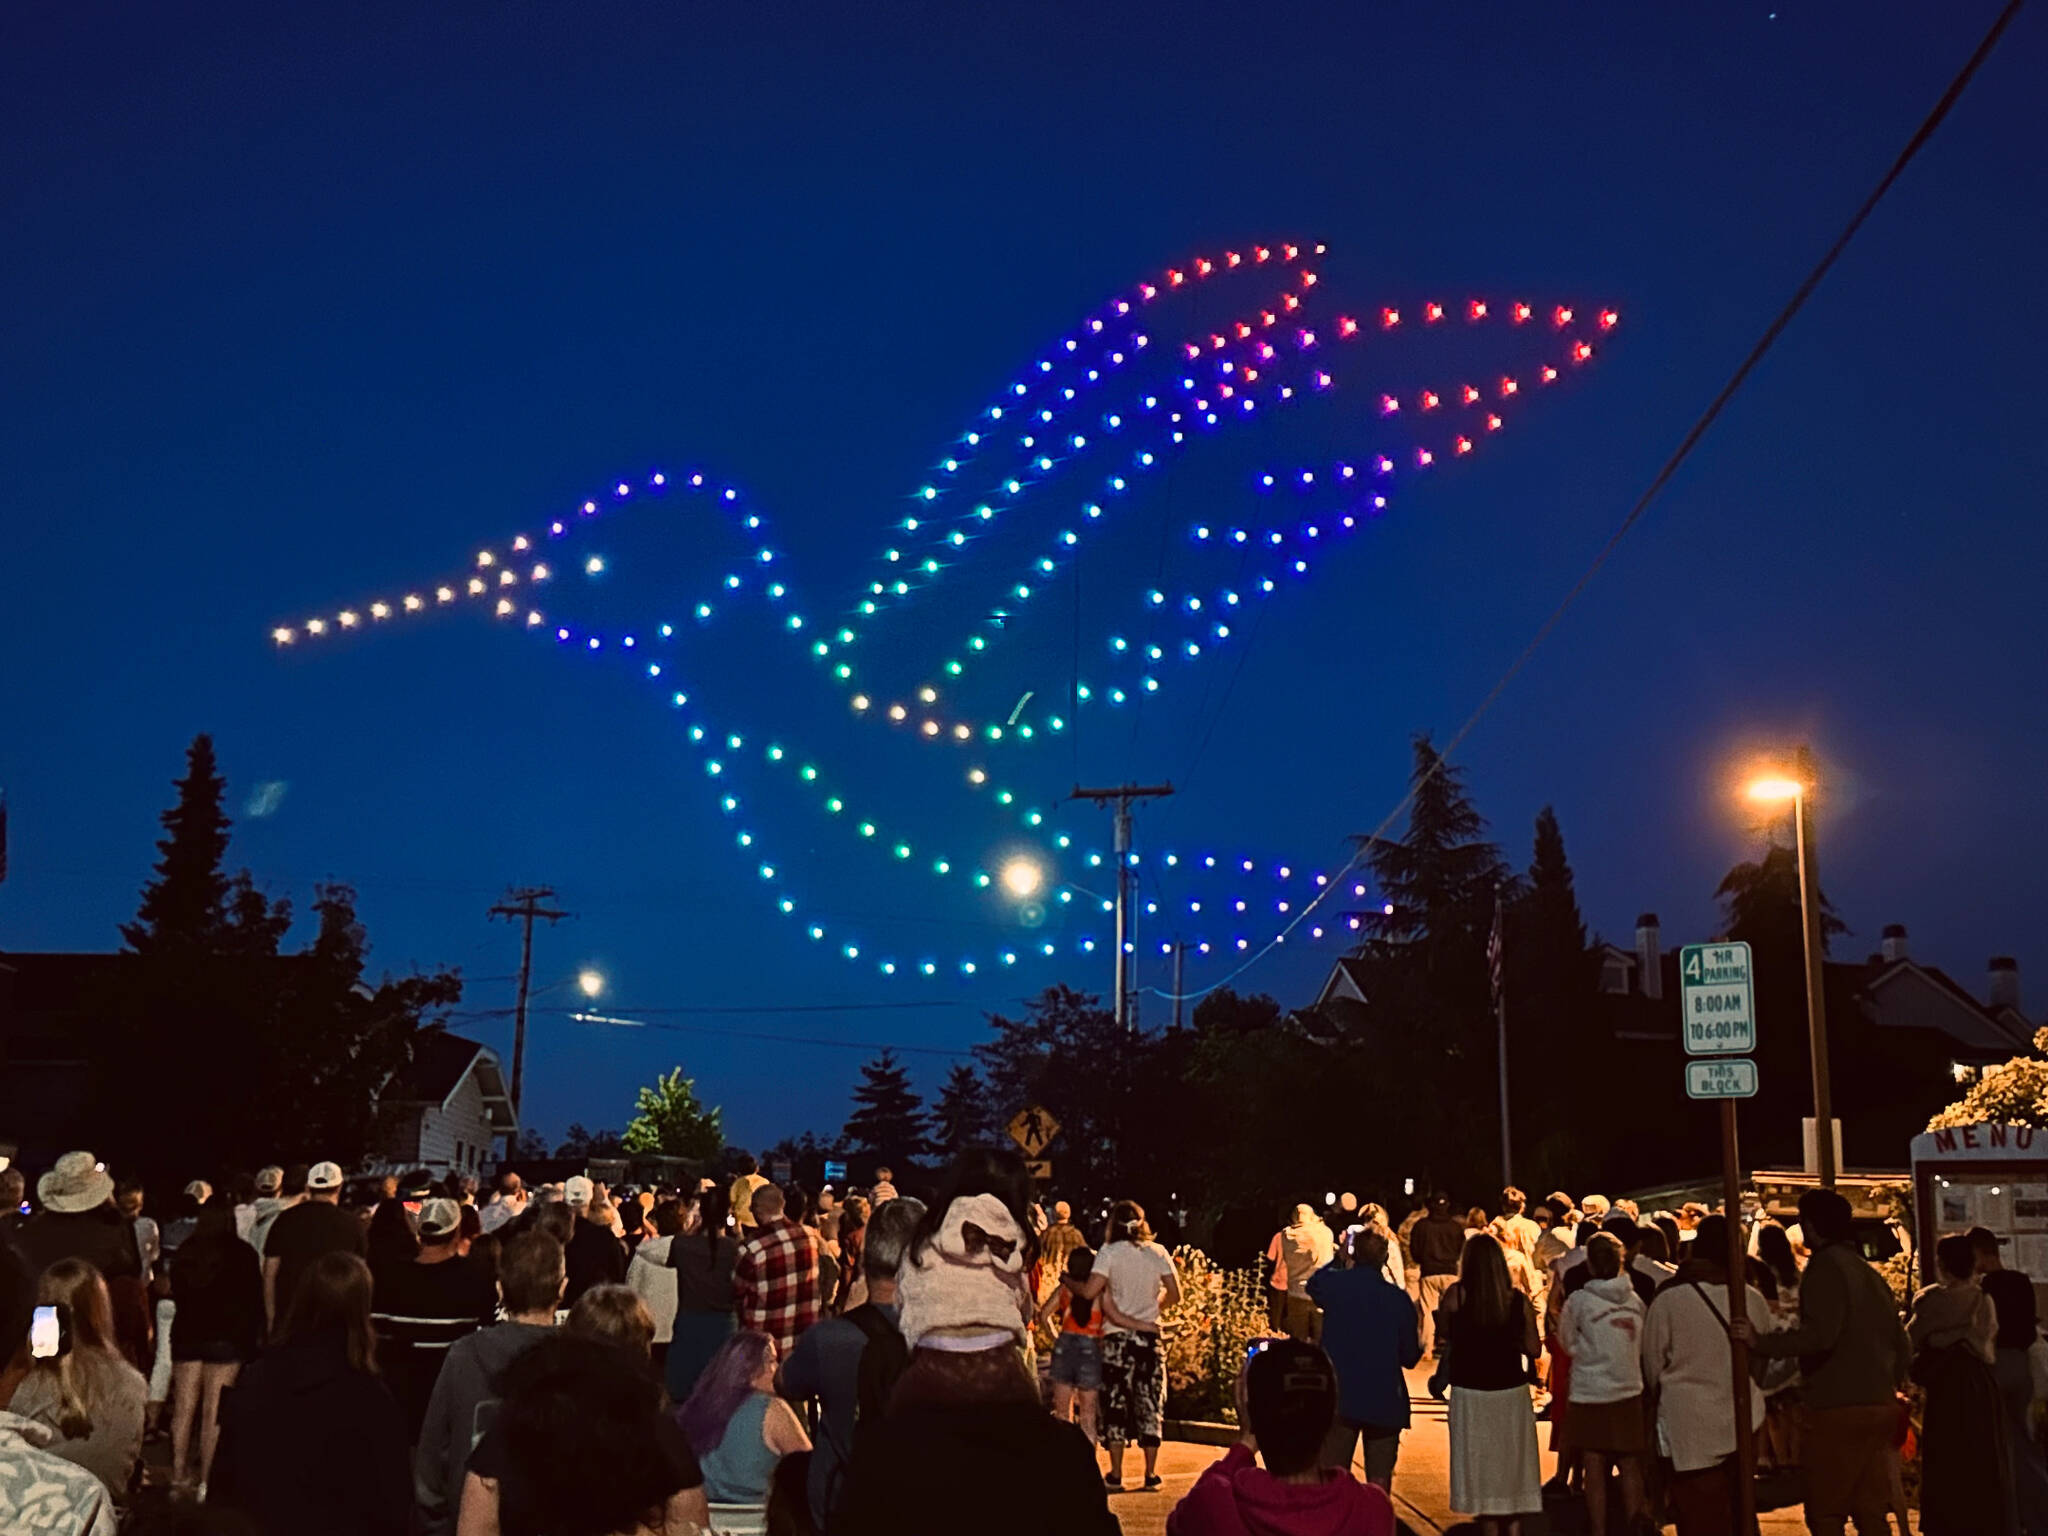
1422,1480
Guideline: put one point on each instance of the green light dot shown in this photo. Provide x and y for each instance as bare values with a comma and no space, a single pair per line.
1005,798
846,637
867,829
977,644
953,667
981,880
835,805
820,648
903,850
843,671
941,867
809,772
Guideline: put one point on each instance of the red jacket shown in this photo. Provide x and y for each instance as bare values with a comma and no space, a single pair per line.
1236,1497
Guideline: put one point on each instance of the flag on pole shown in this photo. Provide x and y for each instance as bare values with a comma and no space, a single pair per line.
1494,948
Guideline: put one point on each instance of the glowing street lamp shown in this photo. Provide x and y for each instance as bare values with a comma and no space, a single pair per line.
1798,787
1023,878
590,983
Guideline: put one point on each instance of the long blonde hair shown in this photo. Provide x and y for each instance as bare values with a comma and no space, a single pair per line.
79,1375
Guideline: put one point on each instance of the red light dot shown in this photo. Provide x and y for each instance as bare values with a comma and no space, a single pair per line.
1389,405
1464,445
1289,252
1522,313
1561,316
1290,302
1231,258
1193,350
1429,400
1265,317
1346,326
1243,330
1582,351
1471,395
1476,310
1432,312
1493,423
1549,375
1216,342
1609,319
1251,374
1508,387
1389,318
1175,279
1308,279
1204,266
1148,291
1260,253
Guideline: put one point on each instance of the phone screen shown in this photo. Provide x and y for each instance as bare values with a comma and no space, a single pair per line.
46,1332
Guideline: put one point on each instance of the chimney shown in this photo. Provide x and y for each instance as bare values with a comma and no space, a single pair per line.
1893,945
2005,982
1649,956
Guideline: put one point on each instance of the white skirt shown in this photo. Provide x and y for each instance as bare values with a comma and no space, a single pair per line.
1494,1469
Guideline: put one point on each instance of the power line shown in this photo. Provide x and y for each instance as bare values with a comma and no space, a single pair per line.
1769,339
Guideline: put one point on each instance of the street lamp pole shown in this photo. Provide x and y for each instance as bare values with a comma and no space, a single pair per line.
1816,998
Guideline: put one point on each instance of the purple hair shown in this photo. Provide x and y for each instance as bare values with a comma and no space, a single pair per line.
727,1382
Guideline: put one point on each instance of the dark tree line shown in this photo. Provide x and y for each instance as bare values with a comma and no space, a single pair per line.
223,1048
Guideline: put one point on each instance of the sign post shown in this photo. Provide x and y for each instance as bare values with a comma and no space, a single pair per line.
1719,1013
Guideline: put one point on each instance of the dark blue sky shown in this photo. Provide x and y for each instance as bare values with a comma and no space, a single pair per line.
308,307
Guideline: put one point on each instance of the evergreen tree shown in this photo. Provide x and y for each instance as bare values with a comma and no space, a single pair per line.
671,1121
889,1118
1441,878
1429,1015
1760,903
963,1117
186,906
580,1141
1553,1015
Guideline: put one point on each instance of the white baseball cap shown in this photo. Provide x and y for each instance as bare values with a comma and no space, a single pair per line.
438,1218
578,1190
324,1176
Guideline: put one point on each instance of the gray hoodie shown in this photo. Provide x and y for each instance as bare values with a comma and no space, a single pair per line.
465,1398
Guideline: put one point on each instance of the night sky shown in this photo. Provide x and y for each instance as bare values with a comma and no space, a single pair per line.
306,306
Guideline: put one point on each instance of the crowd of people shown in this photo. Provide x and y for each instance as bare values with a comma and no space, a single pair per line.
415,1355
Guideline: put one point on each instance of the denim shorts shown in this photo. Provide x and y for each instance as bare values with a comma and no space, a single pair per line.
1077,1362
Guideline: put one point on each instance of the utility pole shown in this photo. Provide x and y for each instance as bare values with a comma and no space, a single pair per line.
1122,796
524,903
1807,774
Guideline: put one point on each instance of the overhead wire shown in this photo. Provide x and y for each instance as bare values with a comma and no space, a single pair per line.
1663,478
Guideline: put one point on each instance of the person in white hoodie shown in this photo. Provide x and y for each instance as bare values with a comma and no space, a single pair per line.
1601,1330
653,1278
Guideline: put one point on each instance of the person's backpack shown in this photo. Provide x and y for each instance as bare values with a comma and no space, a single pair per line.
883,1360
884,1357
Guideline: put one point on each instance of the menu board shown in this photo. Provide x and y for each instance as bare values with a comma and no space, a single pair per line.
2016,1210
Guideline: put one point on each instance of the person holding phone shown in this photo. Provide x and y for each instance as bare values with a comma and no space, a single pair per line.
38,1491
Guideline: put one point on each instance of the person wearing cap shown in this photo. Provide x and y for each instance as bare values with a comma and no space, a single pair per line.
422,1307
39,1491
595,1254
507,1204
1060,1238
302,1234
966,1444
277,1191
78,1220
1286,1403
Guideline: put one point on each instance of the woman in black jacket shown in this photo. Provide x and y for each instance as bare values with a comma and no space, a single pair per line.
312,1444
217,1290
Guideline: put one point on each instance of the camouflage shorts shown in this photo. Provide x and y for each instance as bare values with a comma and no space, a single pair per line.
1133,1388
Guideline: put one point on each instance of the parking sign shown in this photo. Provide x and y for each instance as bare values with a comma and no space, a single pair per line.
1718,1001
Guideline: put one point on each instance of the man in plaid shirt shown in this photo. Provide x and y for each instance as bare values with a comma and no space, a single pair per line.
775,1281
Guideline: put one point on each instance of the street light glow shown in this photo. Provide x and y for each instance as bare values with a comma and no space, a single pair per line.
591,983
1776,789
1023,878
